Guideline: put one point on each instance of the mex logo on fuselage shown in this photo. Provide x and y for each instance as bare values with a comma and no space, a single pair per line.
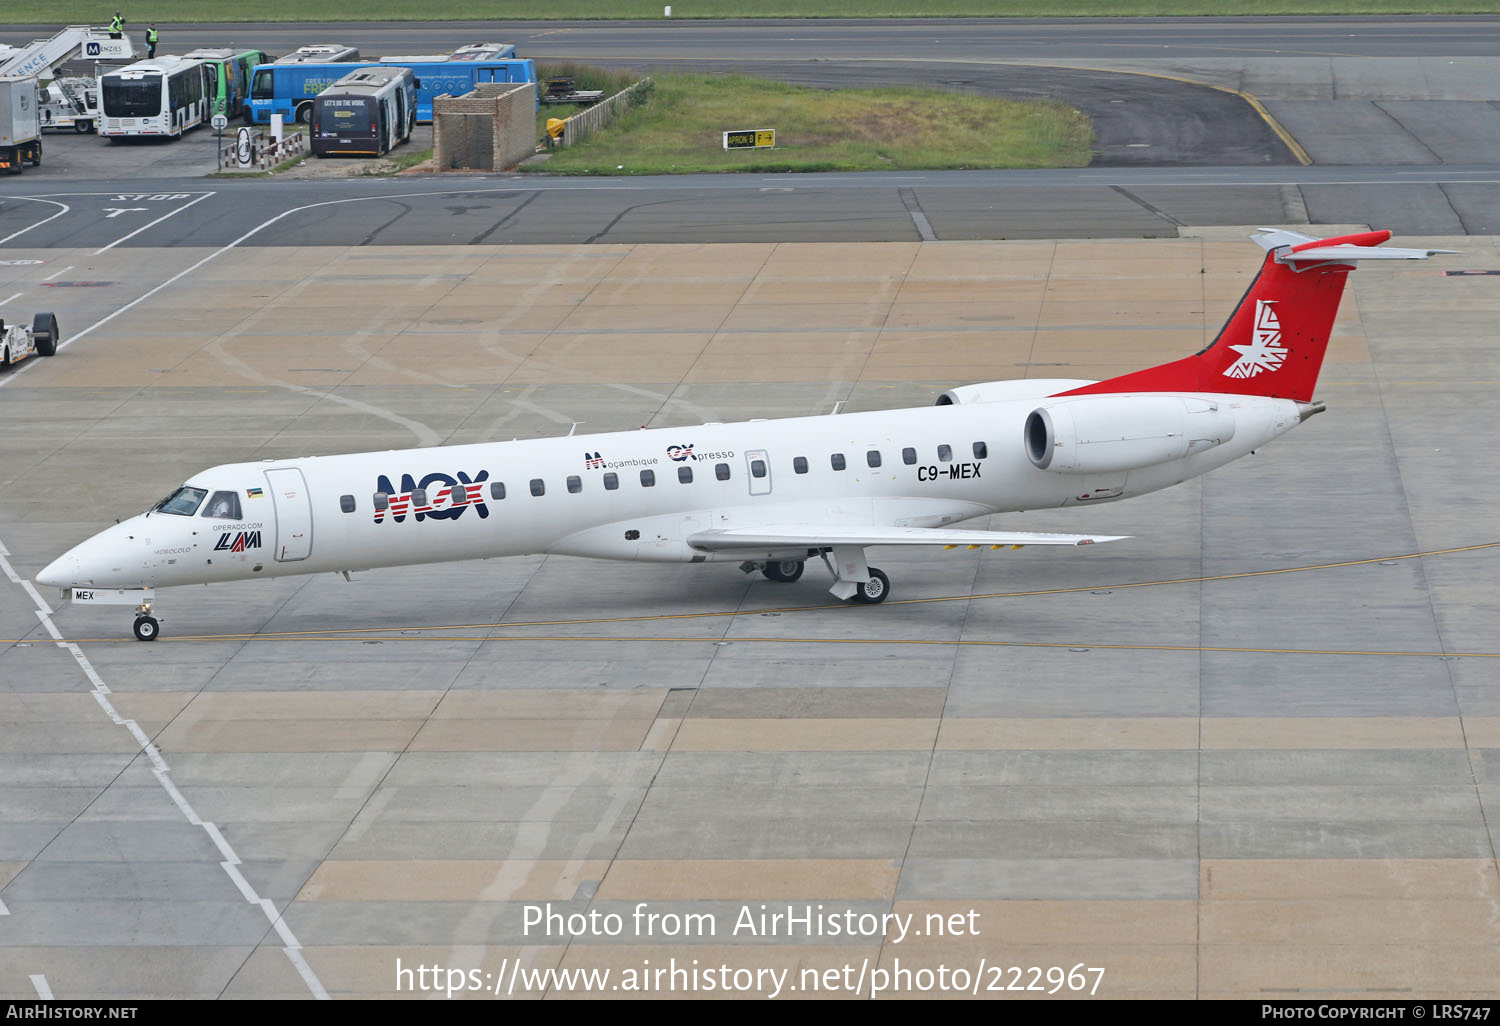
444,497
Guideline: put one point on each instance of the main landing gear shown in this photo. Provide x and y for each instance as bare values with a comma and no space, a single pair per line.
147,627
853,579
783,571
874,590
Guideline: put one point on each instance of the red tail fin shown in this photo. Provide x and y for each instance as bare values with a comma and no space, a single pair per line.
1273,343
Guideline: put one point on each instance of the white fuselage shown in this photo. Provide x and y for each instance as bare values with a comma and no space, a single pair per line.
937,466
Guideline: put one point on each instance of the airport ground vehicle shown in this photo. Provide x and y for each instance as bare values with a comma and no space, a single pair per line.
320,53
289,89
17,341
69,103
483,52
162,97
365,113
20,124
231,77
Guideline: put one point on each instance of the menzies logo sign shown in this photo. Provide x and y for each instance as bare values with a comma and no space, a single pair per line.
1265,352
436,496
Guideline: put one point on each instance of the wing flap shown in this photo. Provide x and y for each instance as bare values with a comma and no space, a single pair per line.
823,535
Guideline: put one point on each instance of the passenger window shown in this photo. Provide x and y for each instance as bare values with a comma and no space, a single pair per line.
611,481
685,475
418,498
382,501
799,464
346,503
721,471
908,456
538,486
873,457
648,479
757,468
981,450
837,459
224,506
497,489
575,484
945,453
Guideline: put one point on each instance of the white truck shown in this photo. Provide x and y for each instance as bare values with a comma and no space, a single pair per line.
20,127
18,341
70,103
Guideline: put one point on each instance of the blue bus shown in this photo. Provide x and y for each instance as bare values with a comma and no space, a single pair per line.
288,89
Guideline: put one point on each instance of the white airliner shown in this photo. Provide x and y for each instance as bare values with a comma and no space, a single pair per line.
768,494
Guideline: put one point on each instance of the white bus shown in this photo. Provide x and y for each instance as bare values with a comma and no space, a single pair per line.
161,97
367,112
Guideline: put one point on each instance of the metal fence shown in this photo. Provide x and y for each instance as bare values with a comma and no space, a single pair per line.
584,123
265,153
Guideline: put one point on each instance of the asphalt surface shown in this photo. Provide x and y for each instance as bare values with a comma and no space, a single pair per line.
941,206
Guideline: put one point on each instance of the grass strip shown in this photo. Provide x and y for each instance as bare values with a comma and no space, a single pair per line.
679,129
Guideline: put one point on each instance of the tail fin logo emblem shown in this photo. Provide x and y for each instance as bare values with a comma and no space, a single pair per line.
1265,352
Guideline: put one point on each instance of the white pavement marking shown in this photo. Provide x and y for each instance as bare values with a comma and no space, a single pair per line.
35,199
3,910
54,274
162,772
9,298
153,224
40,983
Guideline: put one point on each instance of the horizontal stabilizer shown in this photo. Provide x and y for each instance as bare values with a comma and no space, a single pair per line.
1297,248
819,536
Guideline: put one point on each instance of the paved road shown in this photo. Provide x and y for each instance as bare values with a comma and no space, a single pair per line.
1084,203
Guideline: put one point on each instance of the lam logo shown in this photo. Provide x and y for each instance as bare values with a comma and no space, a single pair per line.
437,496
237,541
1265,351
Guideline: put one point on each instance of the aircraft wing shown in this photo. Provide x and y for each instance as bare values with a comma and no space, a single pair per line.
824,535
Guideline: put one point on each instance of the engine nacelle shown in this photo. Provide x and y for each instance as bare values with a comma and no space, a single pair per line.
1108,434
1000,391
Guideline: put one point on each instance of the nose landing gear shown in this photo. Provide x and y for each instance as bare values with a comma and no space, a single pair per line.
147,627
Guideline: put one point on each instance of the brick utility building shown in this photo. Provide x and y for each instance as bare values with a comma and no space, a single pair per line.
490,129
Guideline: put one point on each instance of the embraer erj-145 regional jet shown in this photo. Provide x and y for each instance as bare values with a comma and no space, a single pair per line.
769,494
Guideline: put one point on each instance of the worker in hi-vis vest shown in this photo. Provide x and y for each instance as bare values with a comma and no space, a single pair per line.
116,26
150,41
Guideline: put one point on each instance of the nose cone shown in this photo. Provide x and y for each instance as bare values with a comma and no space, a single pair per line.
103,561
62,572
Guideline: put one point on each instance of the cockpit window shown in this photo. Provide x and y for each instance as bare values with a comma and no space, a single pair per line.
223,506
183,502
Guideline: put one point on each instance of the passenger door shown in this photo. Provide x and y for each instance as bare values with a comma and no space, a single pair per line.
293,514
